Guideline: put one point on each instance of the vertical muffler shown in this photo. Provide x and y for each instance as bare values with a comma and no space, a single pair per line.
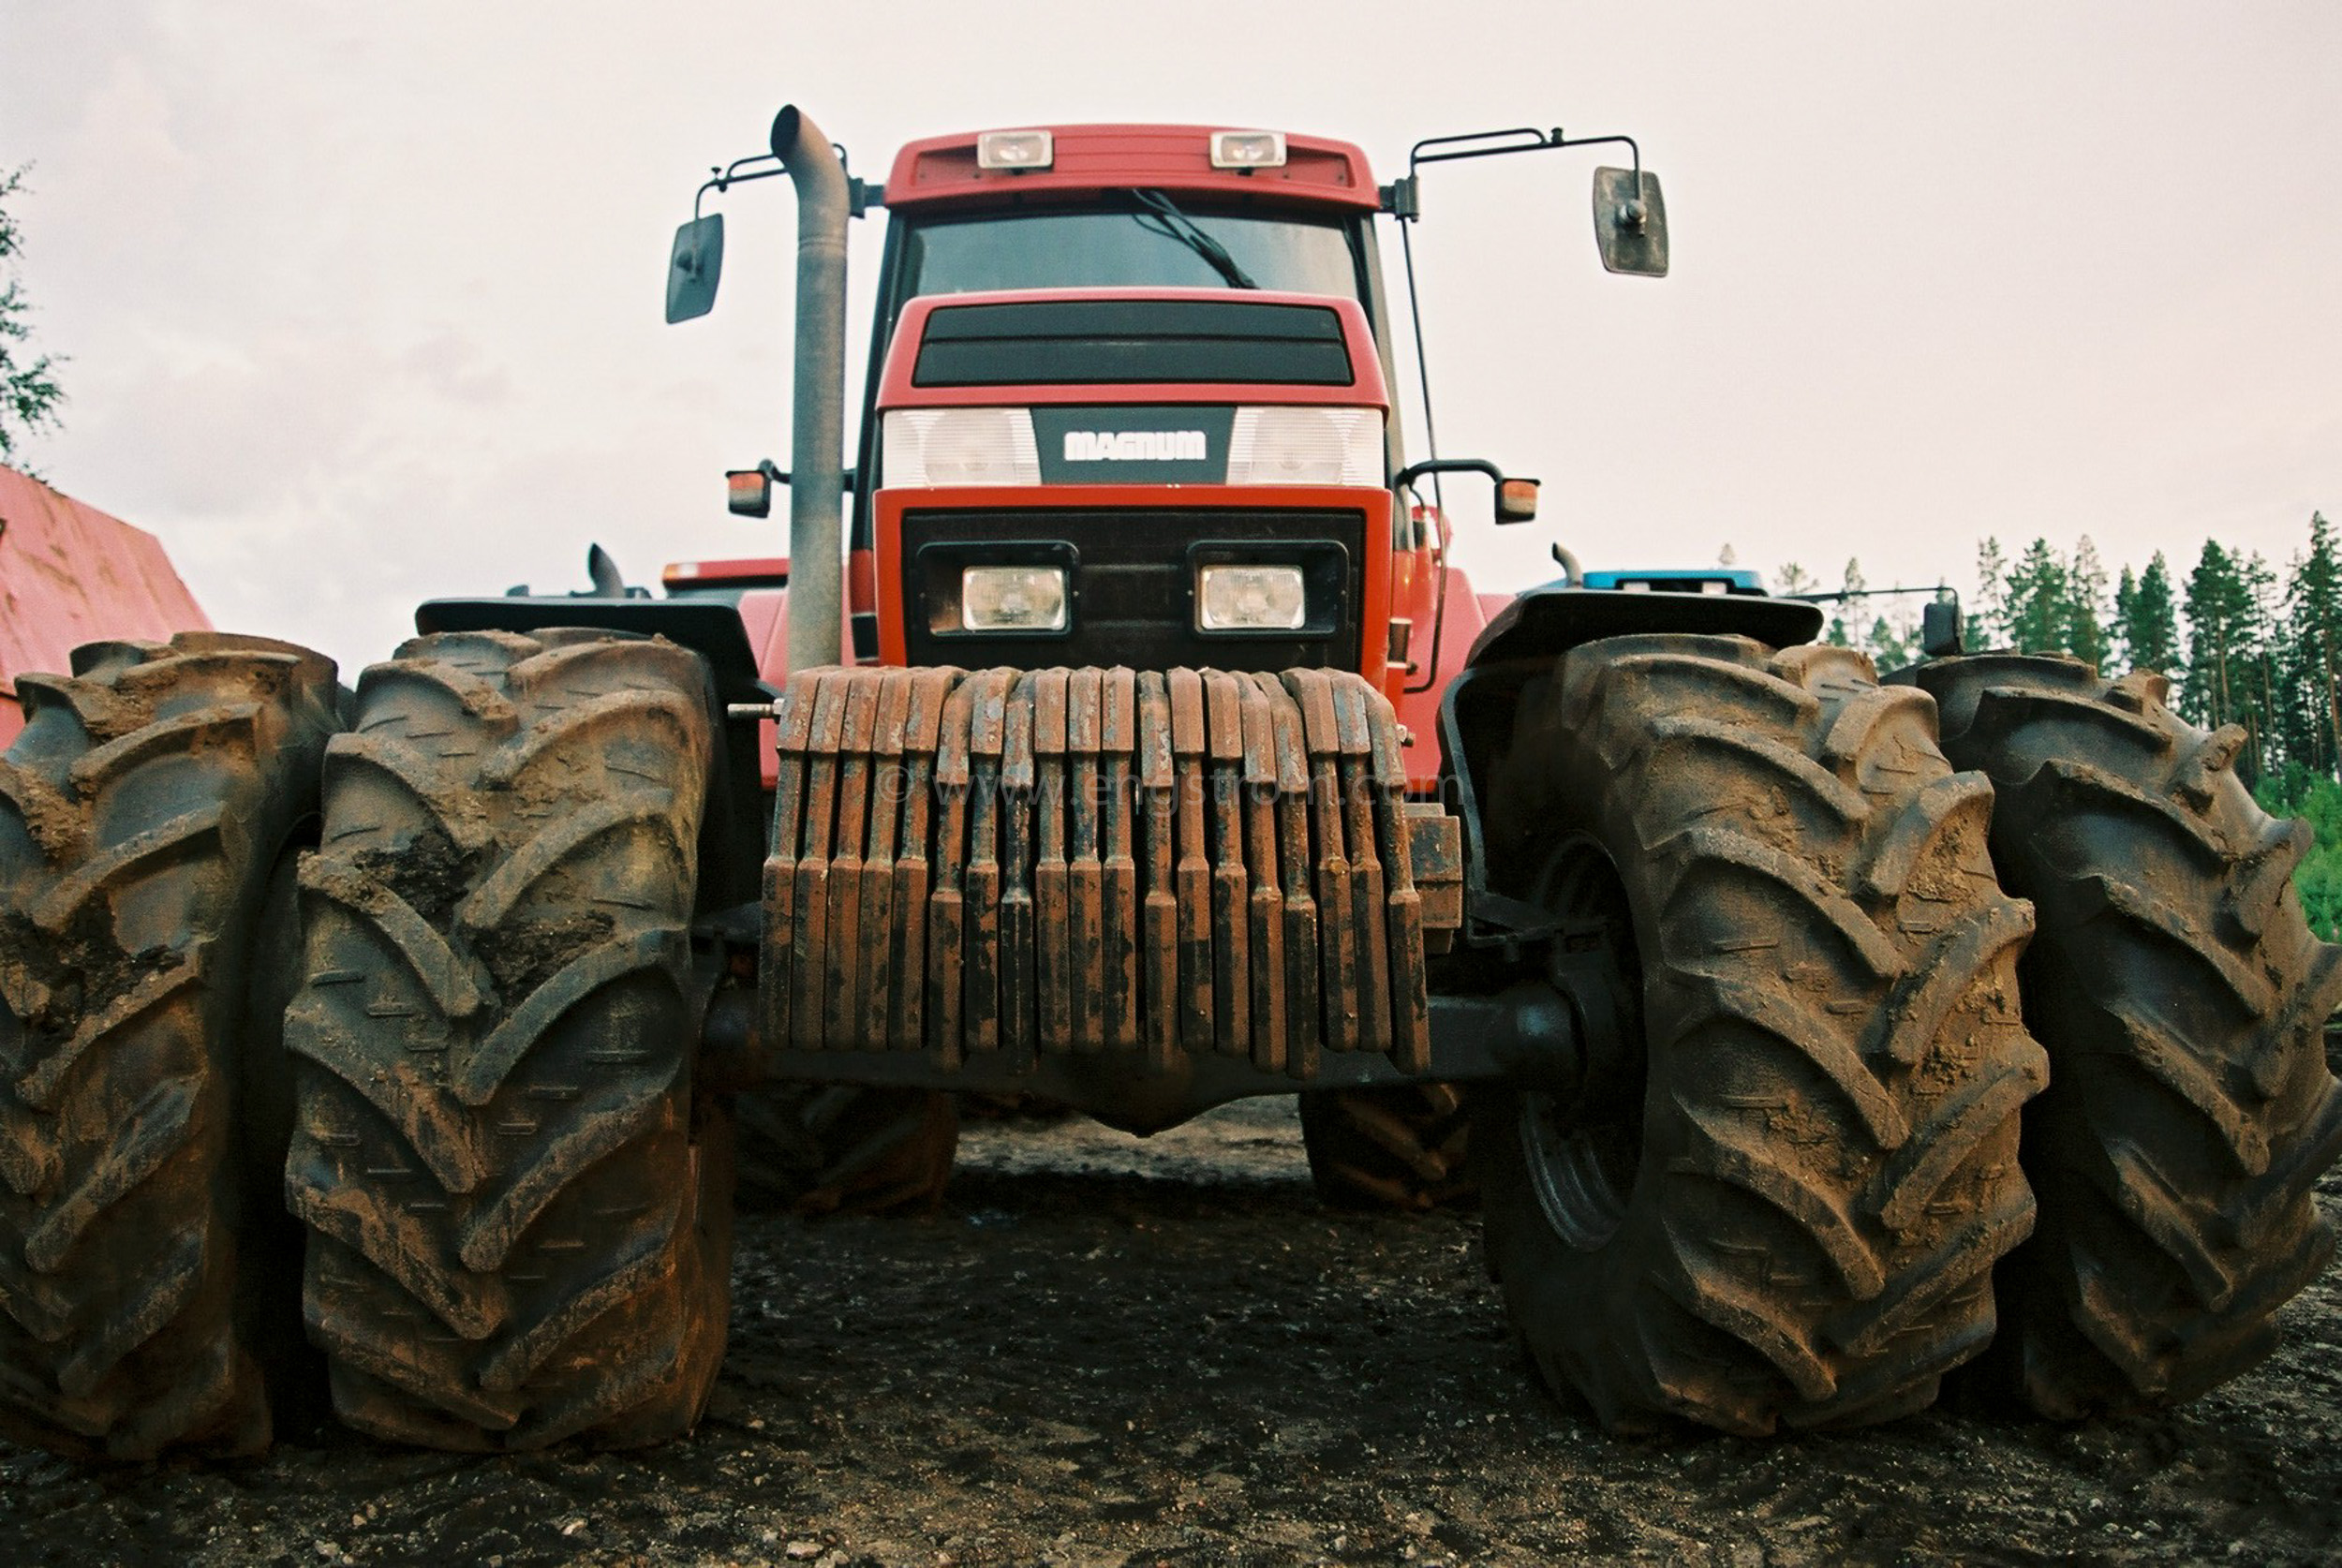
817,479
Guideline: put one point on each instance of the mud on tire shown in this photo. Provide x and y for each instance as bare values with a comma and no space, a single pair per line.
1789,1210
2183,1000
1405,1147
141,813
842,1149
519,1226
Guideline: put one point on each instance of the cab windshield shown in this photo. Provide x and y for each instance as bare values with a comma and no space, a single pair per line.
1130,247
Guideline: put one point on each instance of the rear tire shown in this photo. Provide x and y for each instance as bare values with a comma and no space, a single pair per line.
518,1207
141,813
1785,1205
843,1148
2183,1001
1405,1147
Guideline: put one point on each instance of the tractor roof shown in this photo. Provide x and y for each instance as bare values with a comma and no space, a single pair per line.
942,171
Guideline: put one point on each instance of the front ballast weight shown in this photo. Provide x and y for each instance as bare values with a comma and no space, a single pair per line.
980,874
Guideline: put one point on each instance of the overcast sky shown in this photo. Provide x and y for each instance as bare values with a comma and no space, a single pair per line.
362,304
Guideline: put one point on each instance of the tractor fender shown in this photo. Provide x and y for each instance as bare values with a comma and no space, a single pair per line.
1545,623
712,630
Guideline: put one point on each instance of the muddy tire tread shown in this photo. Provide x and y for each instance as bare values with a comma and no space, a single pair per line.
1836,1059
839,1148
1407,1148
141,814
516,1202
2183,999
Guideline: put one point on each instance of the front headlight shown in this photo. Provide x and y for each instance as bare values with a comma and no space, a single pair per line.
1013,598
929,447
1281,445
1250,599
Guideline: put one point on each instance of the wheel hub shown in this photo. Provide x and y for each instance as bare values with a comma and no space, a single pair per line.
1582,1151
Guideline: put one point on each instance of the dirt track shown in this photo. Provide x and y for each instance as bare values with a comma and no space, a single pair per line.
1111,1353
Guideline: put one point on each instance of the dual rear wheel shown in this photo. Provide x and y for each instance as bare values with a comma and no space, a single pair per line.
2183,1000
1882,1113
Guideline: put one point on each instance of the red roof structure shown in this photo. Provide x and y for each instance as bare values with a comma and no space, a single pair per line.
70,574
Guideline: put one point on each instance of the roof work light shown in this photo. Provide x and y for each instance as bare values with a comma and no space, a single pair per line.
1248,148
1016,149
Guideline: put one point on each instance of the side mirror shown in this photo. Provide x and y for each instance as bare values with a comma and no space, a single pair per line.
1516,500
693,269
1939,627
1630,225
748,492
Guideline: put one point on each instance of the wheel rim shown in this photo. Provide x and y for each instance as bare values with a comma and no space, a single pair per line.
1583,1154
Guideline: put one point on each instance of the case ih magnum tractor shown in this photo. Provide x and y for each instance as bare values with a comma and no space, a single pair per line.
1139,750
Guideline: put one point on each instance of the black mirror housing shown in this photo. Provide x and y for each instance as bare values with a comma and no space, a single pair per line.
748,492
1939,627
693,269
1516,500
1630,223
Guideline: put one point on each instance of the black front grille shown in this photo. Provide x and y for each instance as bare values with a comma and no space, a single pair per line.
1110,342
1133,585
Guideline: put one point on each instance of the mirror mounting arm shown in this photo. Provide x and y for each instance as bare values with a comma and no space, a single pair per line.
861,195
1407,476
1402,199
1521,138
722,178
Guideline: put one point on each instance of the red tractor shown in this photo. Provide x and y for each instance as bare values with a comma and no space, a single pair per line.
1139,749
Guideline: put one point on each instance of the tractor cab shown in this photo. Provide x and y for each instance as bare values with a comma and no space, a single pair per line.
1129,207
1130,400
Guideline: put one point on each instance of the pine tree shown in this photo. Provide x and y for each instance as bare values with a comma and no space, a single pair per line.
1891,645
1795,579
2215,609
2261,701
2230,677
2036,609
2146,618
2311,657
2084,609
1988,621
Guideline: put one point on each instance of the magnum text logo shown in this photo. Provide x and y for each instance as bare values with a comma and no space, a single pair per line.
1135,446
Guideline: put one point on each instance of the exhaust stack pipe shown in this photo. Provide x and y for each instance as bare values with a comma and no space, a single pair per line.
817,478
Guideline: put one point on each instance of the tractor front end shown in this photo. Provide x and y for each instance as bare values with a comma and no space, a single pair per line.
1131,742
1119,815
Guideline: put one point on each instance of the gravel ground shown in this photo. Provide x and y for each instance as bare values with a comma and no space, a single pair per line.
1107,1351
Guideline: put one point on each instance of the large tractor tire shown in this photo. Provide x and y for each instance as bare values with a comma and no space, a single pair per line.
2183,1002
1403,1147
142,811
843,1148
1782,1204
518,1207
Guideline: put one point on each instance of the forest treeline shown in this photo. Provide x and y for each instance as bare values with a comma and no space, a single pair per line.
2242,642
